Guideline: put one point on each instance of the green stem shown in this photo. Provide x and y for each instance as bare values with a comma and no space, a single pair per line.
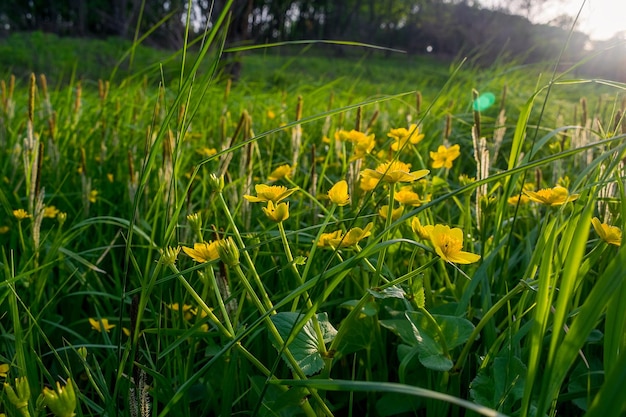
201,302
309,412
220,300
316,325
299,374
433,322
246,255
383,252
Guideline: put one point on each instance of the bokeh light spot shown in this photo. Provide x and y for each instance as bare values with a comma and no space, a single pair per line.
484,101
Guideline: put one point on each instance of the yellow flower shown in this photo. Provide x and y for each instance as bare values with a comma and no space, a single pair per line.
203,252
4,229
403,135
337,239
4,369
273,193
326,238
448,244
62,401
552,196
610,234
354,236
277,213
407,196
362,145
206,152
110,177
270,114
518,197
21,214
393,172
523,199
444,156
93,195
283,171
101,324
338,193
395,213
423,232
50,212
187,310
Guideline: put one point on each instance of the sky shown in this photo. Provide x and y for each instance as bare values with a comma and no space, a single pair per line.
600,19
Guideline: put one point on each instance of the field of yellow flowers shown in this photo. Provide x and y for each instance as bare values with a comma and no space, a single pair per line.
215,248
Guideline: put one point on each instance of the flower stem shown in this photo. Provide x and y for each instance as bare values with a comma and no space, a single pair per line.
201,303
316,325
220,300
246,255
383,251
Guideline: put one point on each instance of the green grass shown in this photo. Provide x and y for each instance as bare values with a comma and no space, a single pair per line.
282,326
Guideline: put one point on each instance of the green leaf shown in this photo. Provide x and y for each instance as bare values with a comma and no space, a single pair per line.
456,330
417,289
500,385
304,347
389,292
418,331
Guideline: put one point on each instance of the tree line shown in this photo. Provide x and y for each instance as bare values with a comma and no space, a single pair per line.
446,28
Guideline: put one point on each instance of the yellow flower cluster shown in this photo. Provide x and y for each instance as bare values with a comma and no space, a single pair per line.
272,194
402,136
362,144
337,239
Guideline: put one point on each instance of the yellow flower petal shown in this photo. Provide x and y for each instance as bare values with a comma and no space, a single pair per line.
4,369
102,324
403,135
283,171
277,213
338,194
273,193
21,214
394,171
395,213
326,238
203,252
352,237
423,232
551,196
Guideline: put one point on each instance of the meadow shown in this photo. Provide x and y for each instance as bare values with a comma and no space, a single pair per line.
369,235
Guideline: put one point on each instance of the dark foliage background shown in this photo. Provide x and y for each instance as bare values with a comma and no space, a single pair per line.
445,28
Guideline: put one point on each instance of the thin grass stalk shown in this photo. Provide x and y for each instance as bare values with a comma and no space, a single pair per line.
296,134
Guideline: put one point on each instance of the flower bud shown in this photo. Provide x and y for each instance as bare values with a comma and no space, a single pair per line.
169,254
62,401
216,183
228,251
20,396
